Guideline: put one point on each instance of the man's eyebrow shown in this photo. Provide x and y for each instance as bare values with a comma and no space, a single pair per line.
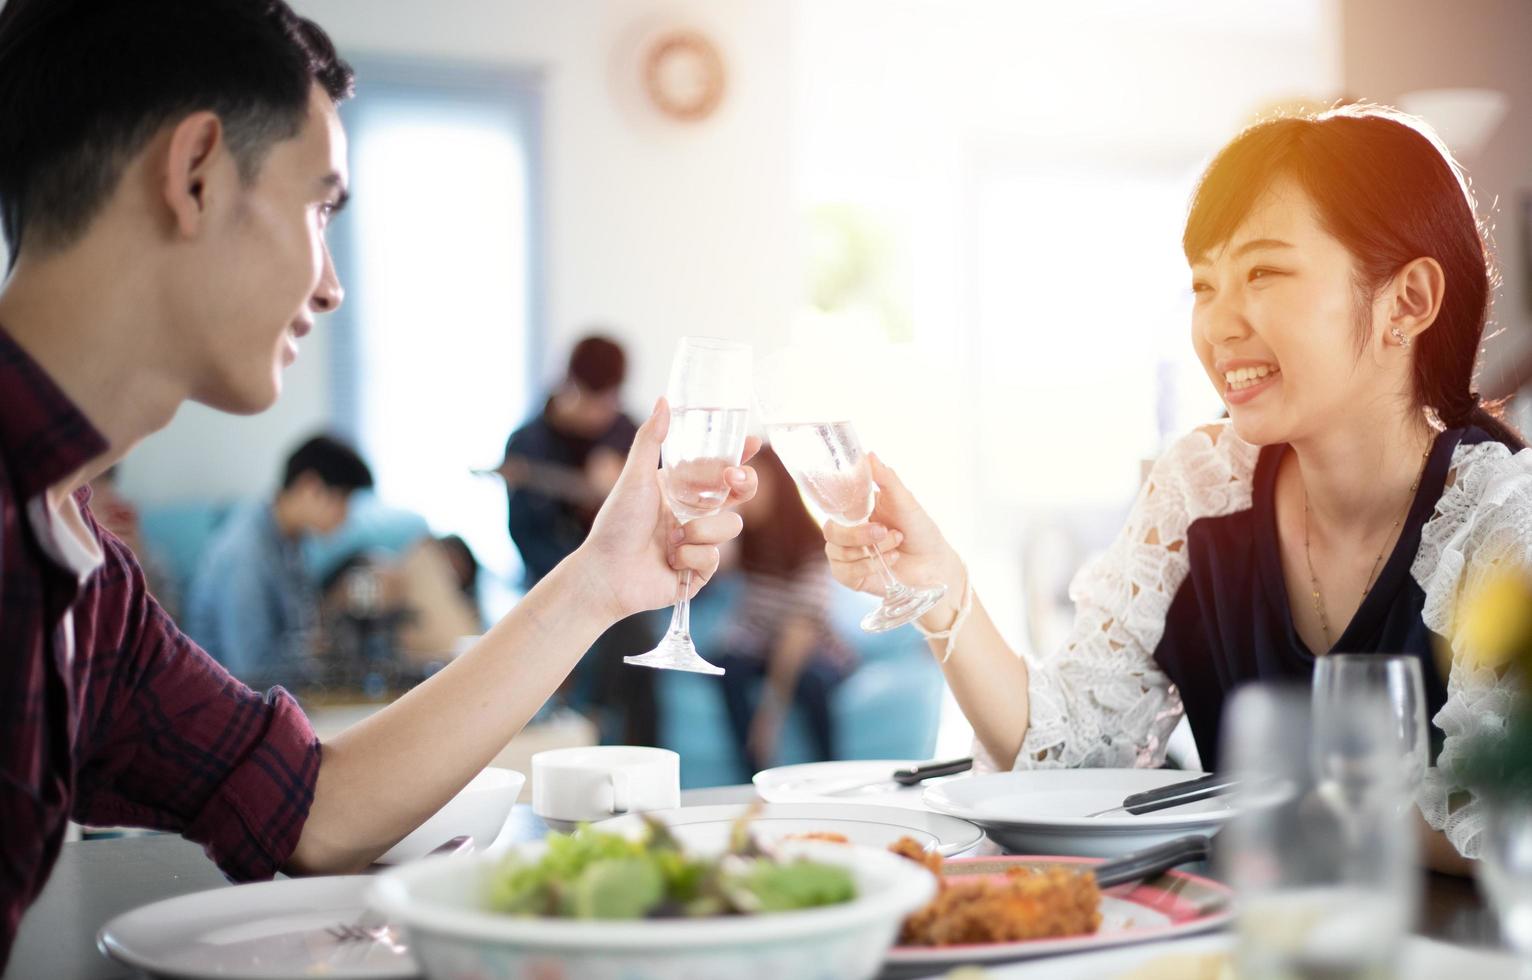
335,181
1254,245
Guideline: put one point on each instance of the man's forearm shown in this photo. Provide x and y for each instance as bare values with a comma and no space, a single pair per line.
384,775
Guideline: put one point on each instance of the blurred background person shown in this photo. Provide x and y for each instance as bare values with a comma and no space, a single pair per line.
252,604
119,515
415,610
779,648
558,468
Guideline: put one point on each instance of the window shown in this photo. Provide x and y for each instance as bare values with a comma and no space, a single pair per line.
439,256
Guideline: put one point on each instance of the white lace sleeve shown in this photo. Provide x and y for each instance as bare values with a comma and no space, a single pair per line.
1101,700
1483,520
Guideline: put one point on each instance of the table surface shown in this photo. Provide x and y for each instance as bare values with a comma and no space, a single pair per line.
94,881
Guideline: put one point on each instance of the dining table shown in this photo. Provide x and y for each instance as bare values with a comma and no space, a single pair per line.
96,880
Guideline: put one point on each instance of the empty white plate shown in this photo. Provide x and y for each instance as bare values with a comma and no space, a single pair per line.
706,828
1044,811
848,781
270,930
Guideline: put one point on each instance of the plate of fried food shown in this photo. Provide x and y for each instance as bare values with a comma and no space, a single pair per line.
995,909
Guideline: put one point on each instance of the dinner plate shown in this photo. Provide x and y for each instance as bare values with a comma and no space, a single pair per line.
706,828
1170,906
1188,959
849,781
1044,811
270,930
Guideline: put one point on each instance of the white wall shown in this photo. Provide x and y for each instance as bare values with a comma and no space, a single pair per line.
1397,46
656,229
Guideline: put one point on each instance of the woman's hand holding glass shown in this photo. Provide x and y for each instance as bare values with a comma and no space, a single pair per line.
909,541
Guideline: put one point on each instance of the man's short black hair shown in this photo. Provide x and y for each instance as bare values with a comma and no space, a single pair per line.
84,85
336,464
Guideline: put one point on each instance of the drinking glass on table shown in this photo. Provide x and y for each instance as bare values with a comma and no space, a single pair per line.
1504,870
1324,889
1396,681
806,415
709,396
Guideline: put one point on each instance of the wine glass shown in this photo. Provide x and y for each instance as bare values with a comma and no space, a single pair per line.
819,446
1323,890
709,396
1395,683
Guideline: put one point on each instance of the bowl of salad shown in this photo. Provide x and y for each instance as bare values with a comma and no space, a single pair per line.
594,905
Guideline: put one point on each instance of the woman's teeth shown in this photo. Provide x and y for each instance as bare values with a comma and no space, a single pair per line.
1247,376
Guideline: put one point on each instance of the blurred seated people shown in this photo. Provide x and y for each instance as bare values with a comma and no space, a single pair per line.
251,603
558,468
780,640
118,514
421,604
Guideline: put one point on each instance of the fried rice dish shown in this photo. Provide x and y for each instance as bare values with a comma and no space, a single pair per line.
1026,904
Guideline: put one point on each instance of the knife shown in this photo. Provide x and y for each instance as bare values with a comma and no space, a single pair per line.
1176,794
1152,860
905,777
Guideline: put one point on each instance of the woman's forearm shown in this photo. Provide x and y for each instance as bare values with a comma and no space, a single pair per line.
986,676
384,775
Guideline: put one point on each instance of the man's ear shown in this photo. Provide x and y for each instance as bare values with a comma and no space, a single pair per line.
195,149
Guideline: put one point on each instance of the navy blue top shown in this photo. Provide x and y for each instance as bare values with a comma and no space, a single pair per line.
1230,621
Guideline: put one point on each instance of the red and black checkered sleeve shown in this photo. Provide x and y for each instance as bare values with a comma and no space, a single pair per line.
178,744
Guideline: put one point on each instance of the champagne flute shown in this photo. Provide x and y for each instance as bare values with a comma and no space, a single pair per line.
821,450
709,396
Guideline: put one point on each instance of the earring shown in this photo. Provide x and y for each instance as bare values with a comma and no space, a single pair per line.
1402,338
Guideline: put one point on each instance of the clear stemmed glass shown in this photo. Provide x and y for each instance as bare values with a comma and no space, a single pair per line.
709,397
1341,680
1324,890
807,422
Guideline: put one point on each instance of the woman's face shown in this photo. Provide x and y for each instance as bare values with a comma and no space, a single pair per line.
1274,322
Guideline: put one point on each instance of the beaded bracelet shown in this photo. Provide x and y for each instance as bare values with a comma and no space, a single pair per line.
950,634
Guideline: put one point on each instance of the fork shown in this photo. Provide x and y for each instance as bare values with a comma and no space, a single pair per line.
372,927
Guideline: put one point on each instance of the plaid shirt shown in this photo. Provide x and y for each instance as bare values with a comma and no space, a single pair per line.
108,713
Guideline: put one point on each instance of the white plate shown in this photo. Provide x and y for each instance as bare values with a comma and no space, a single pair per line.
1423,959
706,828
1172,906
817,782
1043,811
270,930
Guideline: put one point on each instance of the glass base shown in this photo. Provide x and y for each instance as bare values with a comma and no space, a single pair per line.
675,652
907,607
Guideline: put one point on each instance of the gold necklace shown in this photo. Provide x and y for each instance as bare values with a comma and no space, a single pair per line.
1319,600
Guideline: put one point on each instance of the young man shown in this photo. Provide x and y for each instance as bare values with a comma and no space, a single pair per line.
251,604
167,168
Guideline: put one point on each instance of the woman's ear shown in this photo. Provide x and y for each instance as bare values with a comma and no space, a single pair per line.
1413,299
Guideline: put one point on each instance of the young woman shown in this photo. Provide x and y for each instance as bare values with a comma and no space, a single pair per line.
1341,288
779,639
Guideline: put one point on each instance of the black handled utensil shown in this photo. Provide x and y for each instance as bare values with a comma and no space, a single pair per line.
1152,860
1176,794
909,777
902,777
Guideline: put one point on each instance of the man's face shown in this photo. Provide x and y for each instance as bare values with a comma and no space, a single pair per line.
264,271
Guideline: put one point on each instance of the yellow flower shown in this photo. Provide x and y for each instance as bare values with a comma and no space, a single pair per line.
1496,620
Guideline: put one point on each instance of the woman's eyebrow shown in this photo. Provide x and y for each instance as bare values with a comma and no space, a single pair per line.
1259,243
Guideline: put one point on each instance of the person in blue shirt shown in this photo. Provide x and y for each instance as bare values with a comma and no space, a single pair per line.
251,604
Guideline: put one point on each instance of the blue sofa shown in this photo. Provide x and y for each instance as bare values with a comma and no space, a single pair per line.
887,709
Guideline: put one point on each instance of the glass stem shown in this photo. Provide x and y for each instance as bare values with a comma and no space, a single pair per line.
681,613
892,587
